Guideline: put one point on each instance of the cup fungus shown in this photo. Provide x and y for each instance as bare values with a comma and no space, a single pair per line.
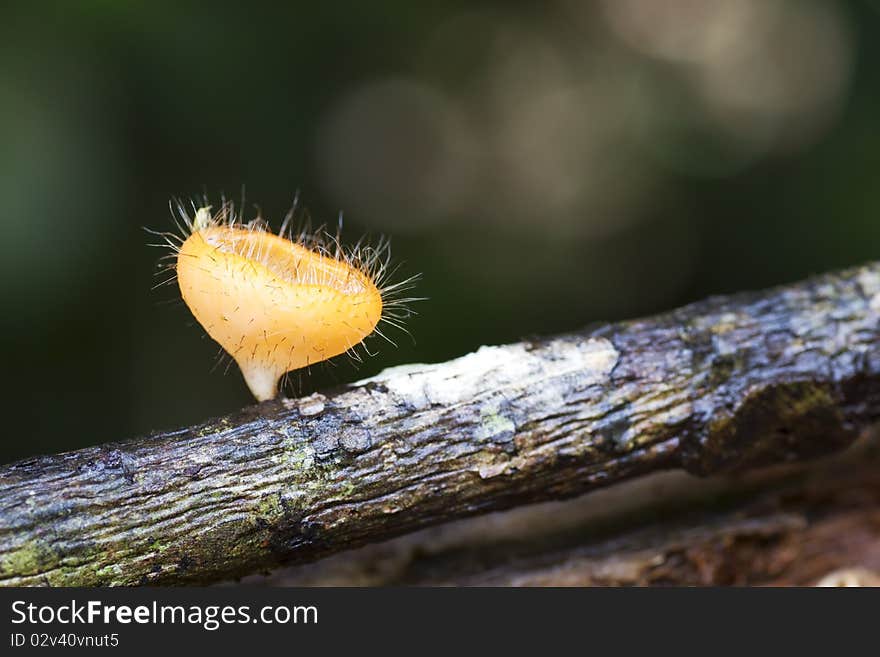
277,303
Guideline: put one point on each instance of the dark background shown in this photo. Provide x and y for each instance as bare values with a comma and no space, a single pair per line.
544,165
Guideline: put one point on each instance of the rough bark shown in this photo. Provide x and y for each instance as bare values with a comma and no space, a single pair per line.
795,525
726,384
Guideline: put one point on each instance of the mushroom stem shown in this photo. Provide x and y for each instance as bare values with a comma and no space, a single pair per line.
262,382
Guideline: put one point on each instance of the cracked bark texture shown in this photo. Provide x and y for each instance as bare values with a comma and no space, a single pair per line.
726,384
793,525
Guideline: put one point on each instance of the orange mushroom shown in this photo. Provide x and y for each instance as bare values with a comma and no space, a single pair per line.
276,304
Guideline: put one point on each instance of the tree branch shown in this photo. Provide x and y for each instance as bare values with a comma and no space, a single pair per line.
725,384
789,525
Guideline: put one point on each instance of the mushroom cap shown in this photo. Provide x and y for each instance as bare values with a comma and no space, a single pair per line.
272,304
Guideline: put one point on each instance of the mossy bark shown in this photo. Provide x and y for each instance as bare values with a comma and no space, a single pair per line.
725,384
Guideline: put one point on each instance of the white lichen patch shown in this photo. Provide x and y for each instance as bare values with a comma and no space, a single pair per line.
499,367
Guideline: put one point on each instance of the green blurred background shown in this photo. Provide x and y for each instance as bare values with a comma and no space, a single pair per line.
544,165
